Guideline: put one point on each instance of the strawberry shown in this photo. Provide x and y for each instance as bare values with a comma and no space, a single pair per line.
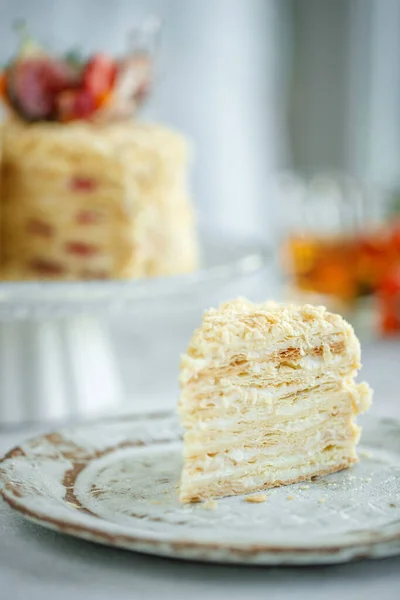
33,79
81,249
3,85
82,184
39,87
99,75
40,228
34,83
88,217
75,104
47,267
85,104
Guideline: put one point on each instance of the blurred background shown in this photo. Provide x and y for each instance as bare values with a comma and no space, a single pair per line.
258,85
293,108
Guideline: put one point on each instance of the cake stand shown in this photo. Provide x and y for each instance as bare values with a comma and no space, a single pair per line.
56,356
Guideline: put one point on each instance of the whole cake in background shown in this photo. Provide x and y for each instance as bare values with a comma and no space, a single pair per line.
86,191
268,398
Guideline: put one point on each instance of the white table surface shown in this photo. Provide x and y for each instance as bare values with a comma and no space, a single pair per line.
37,564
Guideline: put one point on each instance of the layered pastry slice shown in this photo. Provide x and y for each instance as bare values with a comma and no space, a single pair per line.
268,398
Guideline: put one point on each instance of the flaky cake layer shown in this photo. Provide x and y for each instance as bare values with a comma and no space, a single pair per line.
331,398
273,449
257,479
241,328
262,427
268,398
94,202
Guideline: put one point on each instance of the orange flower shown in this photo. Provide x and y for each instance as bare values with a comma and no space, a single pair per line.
3,84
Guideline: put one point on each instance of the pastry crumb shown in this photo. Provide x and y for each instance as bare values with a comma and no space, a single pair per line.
209,505
322,500
256,498
364,454
290,497
155,502
392,505
305,487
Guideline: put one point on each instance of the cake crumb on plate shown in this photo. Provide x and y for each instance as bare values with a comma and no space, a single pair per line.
256,498
365,454
209,505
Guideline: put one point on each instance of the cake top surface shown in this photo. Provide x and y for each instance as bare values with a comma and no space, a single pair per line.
48,143
241,323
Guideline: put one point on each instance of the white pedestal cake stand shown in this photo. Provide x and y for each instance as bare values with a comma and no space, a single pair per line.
56,356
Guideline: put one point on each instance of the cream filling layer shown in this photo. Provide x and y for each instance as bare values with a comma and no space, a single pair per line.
225,354
198,441
214,415
270,467
274,381
259,477
226,395
276,452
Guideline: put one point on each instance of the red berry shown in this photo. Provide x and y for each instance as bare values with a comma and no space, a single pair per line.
65,105
81,249
88,217
85,104
82,184
44,266
99,75
34,83
75,104
40,228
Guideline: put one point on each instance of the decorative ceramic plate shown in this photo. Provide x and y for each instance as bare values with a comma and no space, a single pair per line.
116,483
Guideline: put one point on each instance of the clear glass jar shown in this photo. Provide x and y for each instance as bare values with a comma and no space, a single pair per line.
340,246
